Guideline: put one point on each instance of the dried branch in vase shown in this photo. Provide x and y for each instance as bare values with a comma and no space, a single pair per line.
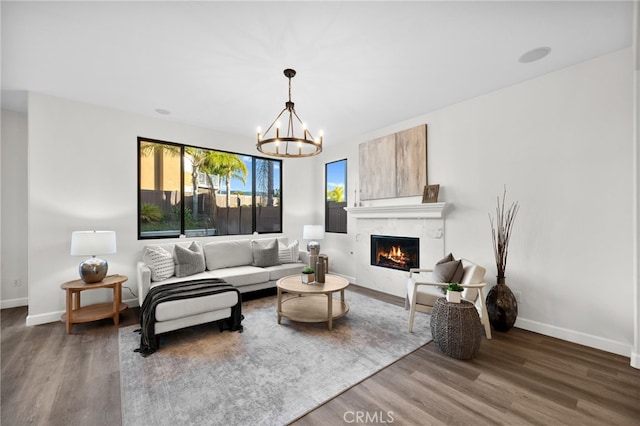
501,231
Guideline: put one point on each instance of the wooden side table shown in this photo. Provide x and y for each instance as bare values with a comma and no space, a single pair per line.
77,314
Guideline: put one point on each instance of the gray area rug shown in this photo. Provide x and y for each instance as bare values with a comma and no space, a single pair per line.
269,374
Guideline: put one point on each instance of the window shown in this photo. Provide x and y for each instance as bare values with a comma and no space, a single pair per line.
191,191
335,216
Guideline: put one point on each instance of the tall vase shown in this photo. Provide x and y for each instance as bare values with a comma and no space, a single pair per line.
502,306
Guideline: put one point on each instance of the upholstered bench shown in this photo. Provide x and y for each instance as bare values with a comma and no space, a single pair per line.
181,304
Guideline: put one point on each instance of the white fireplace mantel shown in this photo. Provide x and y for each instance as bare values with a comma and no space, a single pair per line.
425,221
411,211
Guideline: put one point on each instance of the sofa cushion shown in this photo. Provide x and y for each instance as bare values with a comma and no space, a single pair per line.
288,253
448,270
281,271
226,254
265,254
189,260
241,275
174,279
159,261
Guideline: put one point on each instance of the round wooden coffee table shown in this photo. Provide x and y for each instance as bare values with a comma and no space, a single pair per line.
312,302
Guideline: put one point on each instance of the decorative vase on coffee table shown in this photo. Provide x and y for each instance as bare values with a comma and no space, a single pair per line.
502,306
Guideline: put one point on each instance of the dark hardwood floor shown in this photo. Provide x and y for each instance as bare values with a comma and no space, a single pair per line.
518,378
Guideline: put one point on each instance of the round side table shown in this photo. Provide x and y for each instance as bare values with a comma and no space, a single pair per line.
77,314
456,328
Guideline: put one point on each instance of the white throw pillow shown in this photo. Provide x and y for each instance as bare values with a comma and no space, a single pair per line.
160,261
288,254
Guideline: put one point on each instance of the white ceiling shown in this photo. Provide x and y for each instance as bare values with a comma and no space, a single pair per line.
361,65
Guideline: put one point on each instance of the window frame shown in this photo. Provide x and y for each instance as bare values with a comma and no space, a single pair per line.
343,216
184,232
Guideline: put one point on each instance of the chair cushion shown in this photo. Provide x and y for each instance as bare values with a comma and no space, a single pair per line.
189,260
473,274
427,295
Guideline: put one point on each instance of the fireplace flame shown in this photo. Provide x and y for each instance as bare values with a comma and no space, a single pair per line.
395,255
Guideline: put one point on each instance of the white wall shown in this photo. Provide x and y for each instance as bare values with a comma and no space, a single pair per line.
83,175
562,145
13,291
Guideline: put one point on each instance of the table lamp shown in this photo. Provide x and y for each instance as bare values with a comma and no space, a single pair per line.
313,232
92,243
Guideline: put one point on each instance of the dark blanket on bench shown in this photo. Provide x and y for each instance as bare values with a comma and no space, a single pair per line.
177,291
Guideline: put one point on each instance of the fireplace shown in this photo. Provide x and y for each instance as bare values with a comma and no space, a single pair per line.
395,252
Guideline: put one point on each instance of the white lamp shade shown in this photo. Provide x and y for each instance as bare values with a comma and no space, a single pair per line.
313,232
92,243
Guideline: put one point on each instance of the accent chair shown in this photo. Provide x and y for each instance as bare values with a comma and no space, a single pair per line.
422,292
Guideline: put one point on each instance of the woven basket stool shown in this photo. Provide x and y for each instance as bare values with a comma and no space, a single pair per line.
456,328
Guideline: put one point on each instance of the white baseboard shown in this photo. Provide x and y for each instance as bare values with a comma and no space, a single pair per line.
635,360
44,318
580,338
55,316
14,303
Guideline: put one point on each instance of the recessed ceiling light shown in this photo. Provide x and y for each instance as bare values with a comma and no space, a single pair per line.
534,55
162,111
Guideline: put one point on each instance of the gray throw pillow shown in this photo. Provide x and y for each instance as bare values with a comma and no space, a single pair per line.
448,270
189,260
265,255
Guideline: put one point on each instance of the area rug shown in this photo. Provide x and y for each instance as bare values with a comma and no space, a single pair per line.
269,374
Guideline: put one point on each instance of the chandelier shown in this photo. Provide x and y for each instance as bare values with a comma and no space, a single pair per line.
289,146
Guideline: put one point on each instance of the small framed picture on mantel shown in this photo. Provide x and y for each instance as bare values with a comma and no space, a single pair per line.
430,193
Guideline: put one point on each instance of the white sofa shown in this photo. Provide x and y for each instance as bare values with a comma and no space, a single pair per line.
233,261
